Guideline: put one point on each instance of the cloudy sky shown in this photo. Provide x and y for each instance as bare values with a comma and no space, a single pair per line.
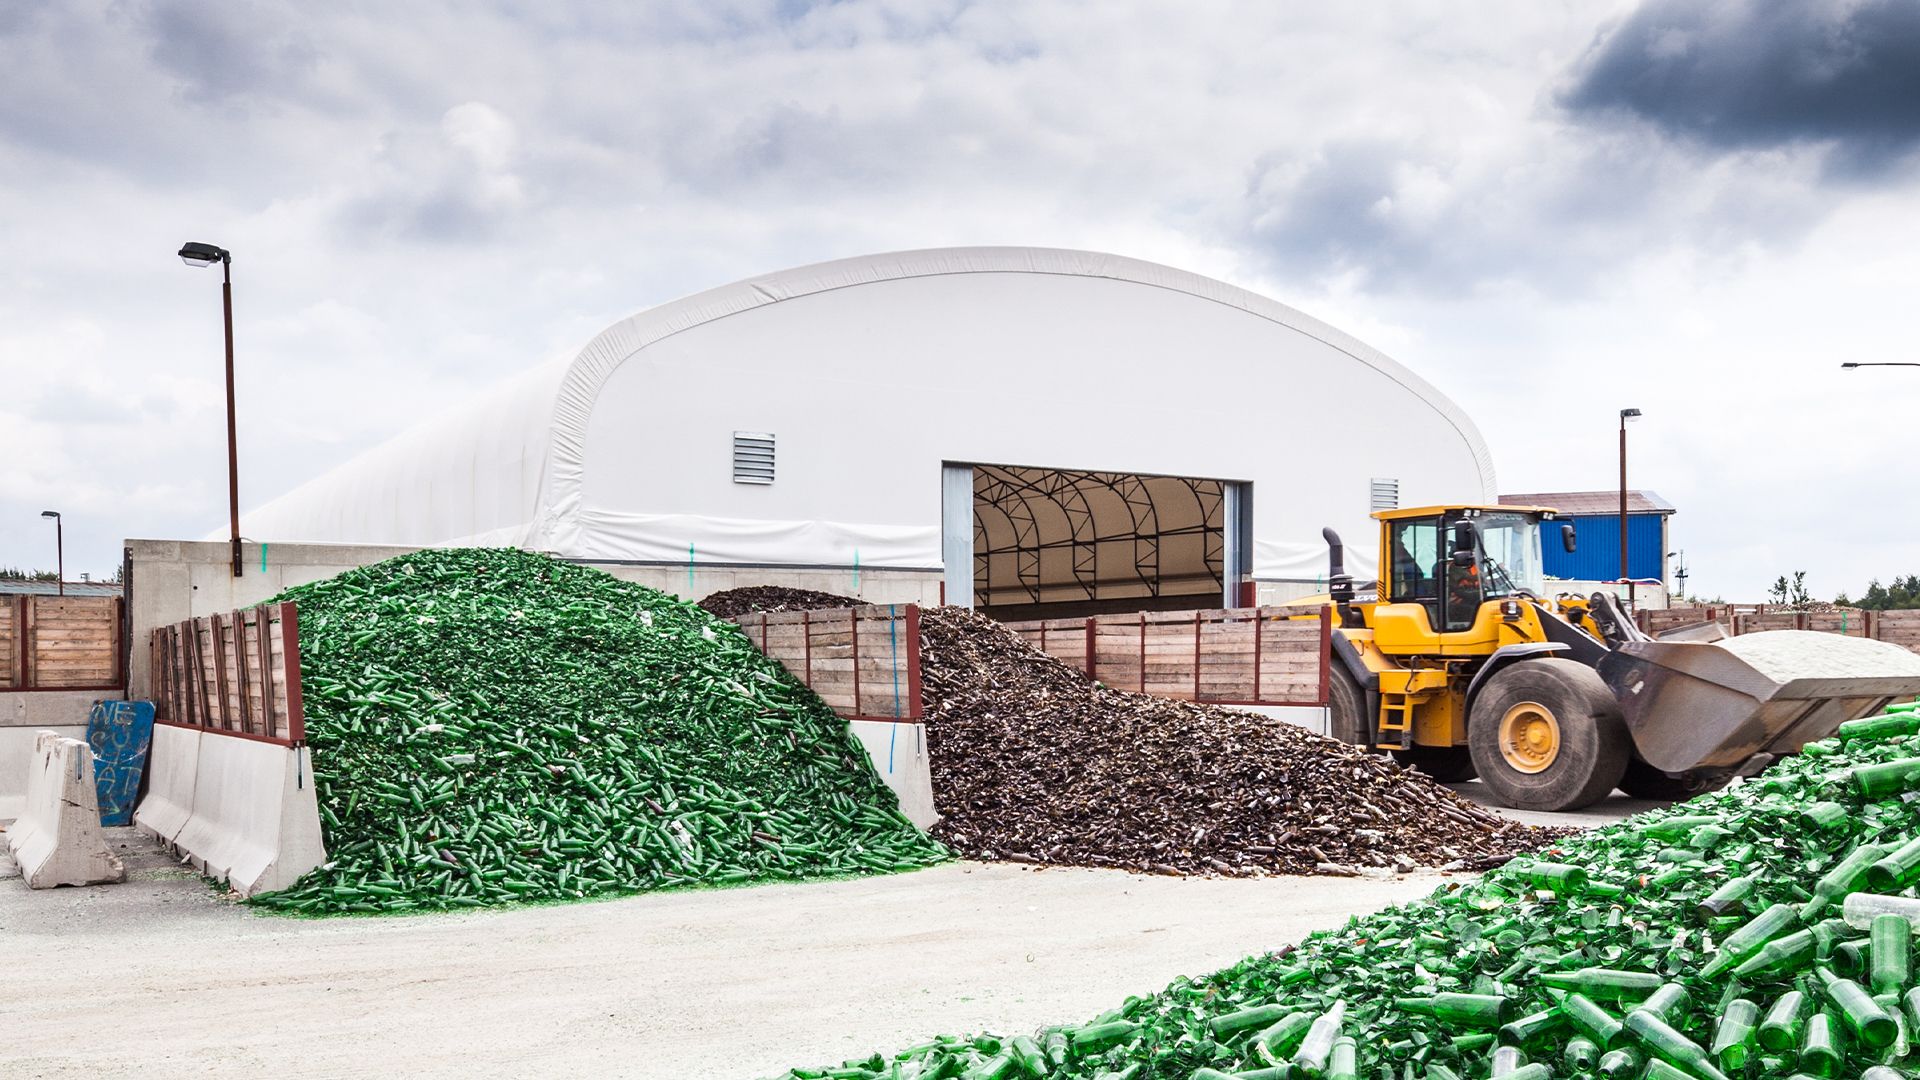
1552,210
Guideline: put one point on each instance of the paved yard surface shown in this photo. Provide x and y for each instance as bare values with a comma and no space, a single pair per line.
734,984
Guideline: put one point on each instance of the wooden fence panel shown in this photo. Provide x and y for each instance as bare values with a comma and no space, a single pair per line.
863,662
234,674
1246,656
60,643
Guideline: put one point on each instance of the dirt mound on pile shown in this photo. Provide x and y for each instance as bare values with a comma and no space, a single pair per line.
735,602
1035,762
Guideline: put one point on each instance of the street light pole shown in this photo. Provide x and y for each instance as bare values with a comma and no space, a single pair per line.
1625,415
1850,365
194,254
59,550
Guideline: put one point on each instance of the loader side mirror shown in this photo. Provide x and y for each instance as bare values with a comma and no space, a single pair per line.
1566,537
1464,543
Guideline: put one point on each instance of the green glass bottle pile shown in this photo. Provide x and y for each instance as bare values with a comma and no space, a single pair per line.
1590,961
492,726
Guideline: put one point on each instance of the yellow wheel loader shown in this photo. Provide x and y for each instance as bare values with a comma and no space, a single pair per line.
1460,664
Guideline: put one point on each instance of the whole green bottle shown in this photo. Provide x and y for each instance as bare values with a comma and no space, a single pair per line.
1530,1030
1559,877
1850,958
1594,1022
1317,1046
1874,782
1463,1010
1603,984
1227,1025
1897,869
1729,896
1668,1003
1891,966
1874,728
1751,938
1621,1064
1820,1048
1505,1060
1861,908
1343,1062
1663,1041
1823,815
1733,1034
1674,828
1273,1044
1779,957
1843,878
1581,1055
1780,1030
1863,1016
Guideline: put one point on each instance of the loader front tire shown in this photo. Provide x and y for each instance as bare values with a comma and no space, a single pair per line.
1546,735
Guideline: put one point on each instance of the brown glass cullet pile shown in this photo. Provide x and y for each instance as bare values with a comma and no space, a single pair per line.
736,602
1035,762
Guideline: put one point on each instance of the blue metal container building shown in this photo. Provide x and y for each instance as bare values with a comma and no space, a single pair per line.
1596,528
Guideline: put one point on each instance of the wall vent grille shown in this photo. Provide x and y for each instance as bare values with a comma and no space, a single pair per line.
752,457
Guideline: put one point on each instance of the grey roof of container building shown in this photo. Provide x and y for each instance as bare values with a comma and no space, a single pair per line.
48,588
1593,503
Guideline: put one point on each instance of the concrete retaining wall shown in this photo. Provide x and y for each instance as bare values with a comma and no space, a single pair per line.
899,754
57,840
242,810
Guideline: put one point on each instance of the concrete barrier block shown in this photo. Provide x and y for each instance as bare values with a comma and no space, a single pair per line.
899,755
57,839
255,820
16,752
173,762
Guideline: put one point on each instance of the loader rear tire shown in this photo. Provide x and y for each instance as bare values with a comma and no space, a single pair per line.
1547,735
1347,709
1643,781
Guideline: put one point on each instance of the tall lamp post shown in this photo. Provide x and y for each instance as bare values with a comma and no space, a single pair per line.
1625,415
59,549
1849,366
194,254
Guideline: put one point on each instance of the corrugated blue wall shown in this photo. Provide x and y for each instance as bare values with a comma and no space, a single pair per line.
1597,548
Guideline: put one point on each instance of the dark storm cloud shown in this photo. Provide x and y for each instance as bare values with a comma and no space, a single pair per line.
225,51
1737,74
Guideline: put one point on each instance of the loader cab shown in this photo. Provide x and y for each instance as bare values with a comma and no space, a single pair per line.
1449,561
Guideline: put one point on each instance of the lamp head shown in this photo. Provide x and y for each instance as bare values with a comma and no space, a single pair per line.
196,254
1849,365
1629,414
50,513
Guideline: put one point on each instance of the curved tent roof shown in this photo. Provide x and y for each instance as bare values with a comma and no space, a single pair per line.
873,370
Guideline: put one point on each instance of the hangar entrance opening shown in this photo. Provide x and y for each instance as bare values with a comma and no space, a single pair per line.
1063,543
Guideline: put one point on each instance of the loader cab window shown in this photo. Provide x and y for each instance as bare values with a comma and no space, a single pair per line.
1414,548
1510,554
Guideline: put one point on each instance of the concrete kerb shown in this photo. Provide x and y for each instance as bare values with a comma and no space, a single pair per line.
242,810
57,838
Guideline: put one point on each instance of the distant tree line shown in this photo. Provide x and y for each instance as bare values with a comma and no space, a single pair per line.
1902,595
14,573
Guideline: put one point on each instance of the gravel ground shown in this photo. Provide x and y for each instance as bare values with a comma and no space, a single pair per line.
735,984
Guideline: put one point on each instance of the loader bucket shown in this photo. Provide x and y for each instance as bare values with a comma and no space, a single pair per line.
1714,705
